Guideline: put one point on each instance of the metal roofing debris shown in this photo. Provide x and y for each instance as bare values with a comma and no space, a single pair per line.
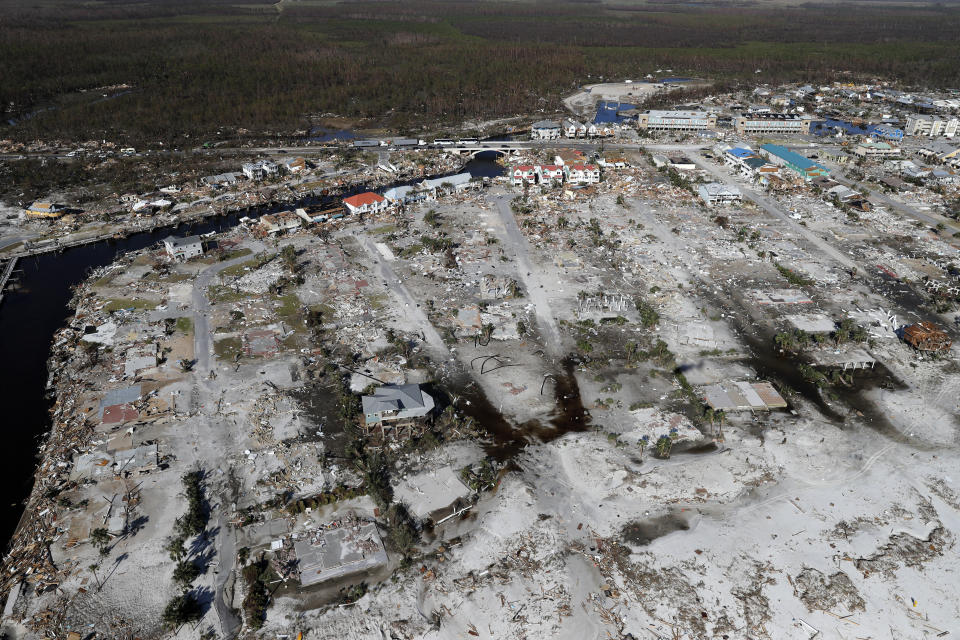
743,396
126,395
339,552
925,336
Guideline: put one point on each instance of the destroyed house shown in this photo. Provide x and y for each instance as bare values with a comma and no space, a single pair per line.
925,336
45,210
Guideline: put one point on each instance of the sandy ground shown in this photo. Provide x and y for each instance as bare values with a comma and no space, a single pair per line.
836,518
583,102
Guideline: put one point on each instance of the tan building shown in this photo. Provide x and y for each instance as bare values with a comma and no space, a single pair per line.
45,210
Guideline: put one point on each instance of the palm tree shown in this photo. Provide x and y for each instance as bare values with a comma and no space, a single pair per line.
663,446
710,414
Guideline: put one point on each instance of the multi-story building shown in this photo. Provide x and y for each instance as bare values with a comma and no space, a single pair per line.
656,120
581,173
716,193
793,123
875,150
804,167
523,173
932,127
545,130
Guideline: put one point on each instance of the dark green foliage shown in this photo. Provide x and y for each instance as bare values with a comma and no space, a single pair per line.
401,532
256,575
792,277
648,315
376,478
185,573
194,521
180,610
175,548
349,595
663,446
196,68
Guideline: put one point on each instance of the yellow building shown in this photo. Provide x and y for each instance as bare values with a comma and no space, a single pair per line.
46,210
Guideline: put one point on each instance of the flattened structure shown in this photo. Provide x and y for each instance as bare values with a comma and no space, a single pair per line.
743,396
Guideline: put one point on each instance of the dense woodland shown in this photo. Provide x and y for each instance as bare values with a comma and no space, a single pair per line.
199,67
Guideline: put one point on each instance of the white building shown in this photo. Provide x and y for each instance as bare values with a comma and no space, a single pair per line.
545,130
581,173
656,120
368,202
523,173
574,129
260,170
931,126
183,248
714,193
792,123
549,173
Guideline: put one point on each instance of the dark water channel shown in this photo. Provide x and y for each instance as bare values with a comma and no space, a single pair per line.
33,312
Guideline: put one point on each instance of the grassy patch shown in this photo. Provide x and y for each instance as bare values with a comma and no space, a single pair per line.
289,309
116,304
385,229
219,293
228,348
378,301
240,269
185,325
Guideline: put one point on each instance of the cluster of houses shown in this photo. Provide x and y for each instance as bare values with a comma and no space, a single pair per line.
771,164
568,167
366,203
256,171
552,130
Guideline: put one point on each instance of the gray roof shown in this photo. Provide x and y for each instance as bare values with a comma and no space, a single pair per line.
545,124
717,189
406,399
175,242
455,180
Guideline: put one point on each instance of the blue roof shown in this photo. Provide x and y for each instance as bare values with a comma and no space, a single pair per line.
740,152
793,158
609,112
826,127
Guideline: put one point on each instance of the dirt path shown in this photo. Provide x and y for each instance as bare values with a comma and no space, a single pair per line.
533,283
402,294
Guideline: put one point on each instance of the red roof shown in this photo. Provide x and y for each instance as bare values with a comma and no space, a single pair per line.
363,198
583,167
523,167
550,167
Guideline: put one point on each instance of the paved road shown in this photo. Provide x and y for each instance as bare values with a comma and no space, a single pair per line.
773,208
227,553
517,245
201,308
413,312
585,144
900,207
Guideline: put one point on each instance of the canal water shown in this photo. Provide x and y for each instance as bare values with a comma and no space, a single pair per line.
32,313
